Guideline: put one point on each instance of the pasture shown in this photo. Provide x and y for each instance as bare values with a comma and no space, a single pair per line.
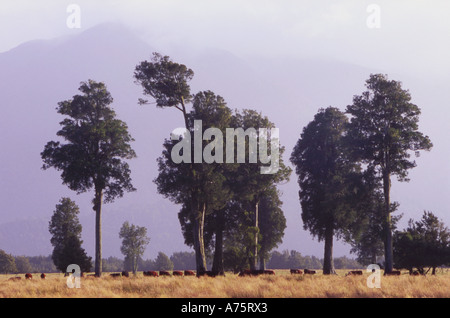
281,285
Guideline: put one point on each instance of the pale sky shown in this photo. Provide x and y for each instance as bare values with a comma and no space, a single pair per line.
413,34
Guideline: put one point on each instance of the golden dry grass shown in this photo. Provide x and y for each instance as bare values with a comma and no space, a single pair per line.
282,285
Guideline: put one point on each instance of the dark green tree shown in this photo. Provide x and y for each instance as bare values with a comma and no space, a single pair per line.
65,229
7,263
163,262
134,241
93,157
248,182
424,243
328,180
383,131
167,83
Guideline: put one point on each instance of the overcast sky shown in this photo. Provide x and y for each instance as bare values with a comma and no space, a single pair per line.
413,35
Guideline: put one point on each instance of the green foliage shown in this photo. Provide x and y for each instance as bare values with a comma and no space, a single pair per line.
93,157
164,80
65,229
384,127
96,143
163,262
7,263
329,182
134,241
425,243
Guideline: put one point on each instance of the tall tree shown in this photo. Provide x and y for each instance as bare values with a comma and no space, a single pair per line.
65,229
383,130
93,157
327,179
206,189
249,183
167,83
134,241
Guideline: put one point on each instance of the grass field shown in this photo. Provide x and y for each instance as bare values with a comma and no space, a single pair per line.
281,285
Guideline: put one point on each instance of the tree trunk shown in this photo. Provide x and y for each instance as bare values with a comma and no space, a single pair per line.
98,231
254,261
262,261
199,245
388,253
328,263
217,266
374,257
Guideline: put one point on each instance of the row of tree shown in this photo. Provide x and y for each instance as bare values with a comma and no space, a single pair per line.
344,162
232,209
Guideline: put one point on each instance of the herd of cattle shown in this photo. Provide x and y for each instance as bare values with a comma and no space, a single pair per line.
246,272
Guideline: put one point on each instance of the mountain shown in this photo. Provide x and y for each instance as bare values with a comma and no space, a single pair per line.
35,76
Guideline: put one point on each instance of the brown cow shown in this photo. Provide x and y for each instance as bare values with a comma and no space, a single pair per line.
164,273
296,271
392,273
189,273
308,271
125,274
42,275
151,273
351,273
28,276
207,273
177,273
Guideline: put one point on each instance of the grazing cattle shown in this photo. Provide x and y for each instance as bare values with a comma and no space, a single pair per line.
392,273
151,273
207,273
43,276
189,273
177,273
15,278
125,274
350,273
308,271
28,276
245,272
296,271
269,272
164,273
115,275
